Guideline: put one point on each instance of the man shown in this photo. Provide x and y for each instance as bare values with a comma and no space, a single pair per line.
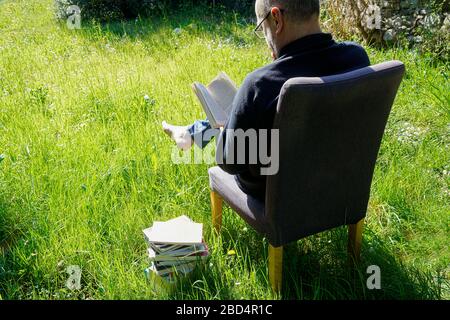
299,48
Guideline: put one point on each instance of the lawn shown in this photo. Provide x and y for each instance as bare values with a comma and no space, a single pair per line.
85,166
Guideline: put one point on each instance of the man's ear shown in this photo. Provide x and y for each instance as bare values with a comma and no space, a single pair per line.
278,19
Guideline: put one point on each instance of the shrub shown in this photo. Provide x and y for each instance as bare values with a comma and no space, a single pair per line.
107,10
412,23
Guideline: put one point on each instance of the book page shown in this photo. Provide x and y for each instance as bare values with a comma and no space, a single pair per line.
161,248
181,219
223,90
179,250
216,116
175,232
217,99
186,256
171,270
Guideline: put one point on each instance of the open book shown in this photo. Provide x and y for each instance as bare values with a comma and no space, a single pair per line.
216,98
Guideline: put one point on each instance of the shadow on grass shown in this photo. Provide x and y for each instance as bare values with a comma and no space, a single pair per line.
11,230
194,20
5,241
318,268
315,268
9,237
18,250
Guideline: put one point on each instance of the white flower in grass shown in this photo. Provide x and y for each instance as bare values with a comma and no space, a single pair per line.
446,191
177,31
109,48
408,133
149,100
193,26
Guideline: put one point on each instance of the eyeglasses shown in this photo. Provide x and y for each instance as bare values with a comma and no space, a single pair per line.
259,29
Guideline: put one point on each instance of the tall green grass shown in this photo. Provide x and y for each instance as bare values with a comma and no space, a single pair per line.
86,166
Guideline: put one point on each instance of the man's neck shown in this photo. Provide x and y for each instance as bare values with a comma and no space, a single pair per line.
303,32
300,32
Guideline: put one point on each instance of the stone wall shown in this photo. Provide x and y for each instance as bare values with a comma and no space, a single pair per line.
389,20
409,18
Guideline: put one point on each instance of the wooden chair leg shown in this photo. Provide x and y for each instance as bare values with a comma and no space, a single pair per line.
355,240
216,209
275,267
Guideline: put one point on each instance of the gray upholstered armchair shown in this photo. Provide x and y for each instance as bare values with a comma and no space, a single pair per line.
330,131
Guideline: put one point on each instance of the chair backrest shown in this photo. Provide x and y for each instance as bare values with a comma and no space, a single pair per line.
330,131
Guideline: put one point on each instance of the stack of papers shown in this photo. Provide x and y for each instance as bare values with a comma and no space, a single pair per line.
175,247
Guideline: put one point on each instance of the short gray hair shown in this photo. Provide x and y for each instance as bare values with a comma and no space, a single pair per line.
296,10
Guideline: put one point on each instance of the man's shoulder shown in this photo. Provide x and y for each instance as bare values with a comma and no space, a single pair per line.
352,46
258,73
257,77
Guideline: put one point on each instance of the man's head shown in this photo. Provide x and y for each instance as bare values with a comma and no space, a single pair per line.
287,20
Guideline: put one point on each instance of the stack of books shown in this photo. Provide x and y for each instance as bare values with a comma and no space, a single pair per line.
175,247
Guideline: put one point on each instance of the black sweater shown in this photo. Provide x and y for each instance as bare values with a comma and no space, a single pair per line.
255,104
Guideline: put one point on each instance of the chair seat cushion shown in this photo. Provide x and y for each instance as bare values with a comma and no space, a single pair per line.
249,208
